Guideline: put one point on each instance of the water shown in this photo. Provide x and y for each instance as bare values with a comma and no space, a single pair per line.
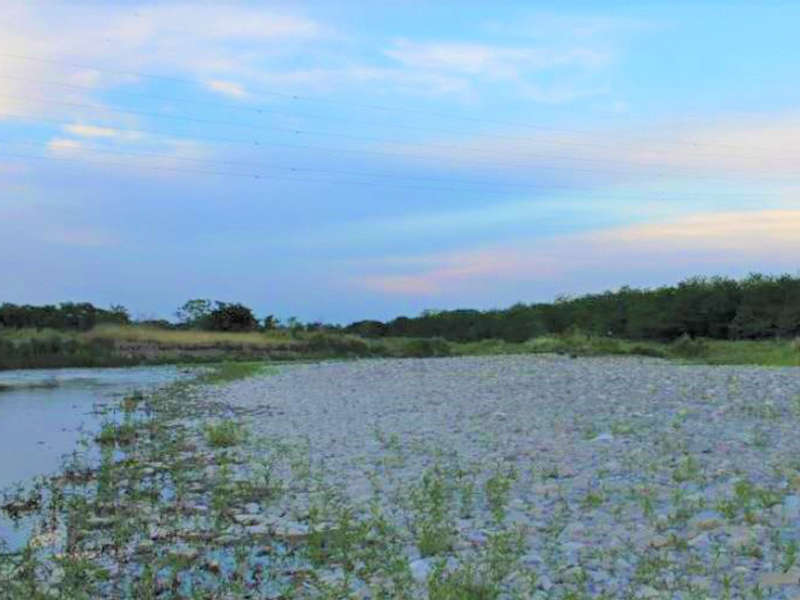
45,412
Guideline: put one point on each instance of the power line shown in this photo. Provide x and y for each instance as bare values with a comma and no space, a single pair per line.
427,129
297,97
261,176
297,132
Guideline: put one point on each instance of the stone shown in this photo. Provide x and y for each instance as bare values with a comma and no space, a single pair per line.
603,437
477,538
706,521
659,541
420,569
258,530
292,532
791,508
700,541
246,519
741,537
543,582
791,577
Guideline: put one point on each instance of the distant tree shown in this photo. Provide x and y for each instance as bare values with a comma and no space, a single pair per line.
195,313
231,317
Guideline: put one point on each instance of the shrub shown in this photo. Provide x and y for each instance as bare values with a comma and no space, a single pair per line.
223,434
426,348
337,345
687,347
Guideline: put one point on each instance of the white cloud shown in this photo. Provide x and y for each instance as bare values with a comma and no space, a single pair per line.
77,237
92,131
500,62
227,88
762,240
64,144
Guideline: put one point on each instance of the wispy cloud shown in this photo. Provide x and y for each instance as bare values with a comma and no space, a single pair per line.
704,241
227,88
64,144
77,237
501,62
97,131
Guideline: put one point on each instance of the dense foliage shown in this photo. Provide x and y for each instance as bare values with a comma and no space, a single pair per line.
720,308
66,316
758,307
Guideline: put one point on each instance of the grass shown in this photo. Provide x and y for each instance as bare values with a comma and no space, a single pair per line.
121,345
233,371
224,434
775,353
127,333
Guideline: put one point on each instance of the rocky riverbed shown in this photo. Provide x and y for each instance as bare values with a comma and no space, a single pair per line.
488,477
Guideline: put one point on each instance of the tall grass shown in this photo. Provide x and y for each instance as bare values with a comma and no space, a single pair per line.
233,371
127,333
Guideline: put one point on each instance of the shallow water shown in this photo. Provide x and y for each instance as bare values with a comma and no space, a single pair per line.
44,413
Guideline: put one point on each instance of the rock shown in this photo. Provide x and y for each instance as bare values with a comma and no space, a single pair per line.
700,541
100,522
185,553
420,569
477,538
791,508
741,537
706,521
603,437
252,508
659,541
543,582
258,530
292,532
531,560
649,592
572,575
791,577
246,519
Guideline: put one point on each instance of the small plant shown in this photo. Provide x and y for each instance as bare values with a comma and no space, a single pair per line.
497,488
688,347
433,525
789,555
223,434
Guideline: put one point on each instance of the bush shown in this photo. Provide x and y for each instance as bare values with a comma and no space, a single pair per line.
426,348
337,345
232,317
687,347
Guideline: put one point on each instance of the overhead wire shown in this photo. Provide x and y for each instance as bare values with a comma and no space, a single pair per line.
658,195
263,111
399,109
304,132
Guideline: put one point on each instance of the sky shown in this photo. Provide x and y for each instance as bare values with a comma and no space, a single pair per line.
336,161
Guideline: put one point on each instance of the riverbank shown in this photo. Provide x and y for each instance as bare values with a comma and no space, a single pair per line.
481,477
116,346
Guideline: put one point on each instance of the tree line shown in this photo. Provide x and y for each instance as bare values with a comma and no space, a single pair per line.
756,307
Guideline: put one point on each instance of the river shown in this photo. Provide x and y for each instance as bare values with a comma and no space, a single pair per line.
44,413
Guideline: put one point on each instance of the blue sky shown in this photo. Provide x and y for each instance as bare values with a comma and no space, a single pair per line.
337,161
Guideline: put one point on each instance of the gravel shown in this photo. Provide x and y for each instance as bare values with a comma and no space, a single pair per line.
627,475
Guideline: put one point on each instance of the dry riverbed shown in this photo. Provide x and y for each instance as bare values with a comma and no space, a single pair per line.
475,478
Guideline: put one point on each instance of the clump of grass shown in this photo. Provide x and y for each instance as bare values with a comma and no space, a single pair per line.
224,434
688,347
121,434
426,348
234,371
434,521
